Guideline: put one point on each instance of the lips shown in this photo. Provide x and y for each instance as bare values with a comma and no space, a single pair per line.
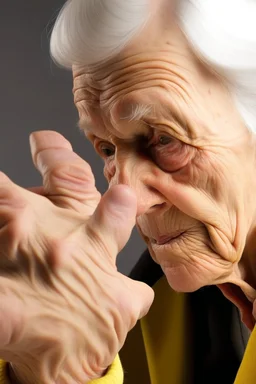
162,240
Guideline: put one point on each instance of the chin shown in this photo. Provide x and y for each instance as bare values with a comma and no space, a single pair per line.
181,276
184,273
180,280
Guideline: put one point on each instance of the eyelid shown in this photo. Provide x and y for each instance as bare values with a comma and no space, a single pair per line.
151,136
97,140
156,134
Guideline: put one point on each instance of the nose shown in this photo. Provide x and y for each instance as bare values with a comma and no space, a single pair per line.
137,173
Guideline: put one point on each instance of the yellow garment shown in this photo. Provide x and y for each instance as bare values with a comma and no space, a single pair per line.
167,347
166,350
114,375
3,376
247,370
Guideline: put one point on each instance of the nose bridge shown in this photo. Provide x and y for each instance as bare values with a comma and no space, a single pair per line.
131,171
127,170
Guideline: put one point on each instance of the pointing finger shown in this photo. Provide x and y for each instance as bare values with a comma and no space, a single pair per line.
67,178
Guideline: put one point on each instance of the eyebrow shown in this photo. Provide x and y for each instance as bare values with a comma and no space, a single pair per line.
84,126
138,112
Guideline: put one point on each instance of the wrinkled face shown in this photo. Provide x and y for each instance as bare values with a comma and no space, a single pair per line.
167,127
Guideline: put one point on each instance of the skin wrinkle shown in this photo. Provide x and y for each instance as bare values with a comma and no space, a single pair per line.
108,97
111,107
159,118
167,71
211,191
177,117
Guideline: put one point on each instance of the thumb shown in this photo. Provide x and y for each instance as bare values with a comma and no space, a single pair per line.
113,221
68,180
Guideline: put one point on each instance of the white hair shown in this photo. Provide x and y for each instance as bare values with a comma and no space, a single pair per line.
88,31
222,32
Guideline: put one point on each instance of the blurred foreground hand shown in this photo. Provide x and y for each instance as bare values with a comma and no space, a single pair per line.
65,311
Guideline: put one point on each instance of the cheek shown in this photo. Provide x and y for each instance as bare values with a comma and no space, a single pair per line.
198,173
202,190
190,188
209,176
109,169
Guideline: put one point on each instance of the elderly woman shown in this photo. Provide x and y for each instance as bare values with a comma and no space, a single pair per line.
165,93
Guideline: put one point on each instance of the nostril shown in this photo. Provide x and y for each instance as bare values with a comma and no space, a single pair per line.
145,209
160,206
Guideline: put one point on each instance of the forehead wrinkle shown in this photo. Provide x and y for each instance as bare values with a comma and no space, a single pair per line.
91,130
86,126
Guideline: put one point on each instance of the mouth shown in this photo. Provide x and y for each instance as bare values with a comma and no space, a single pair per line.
164,240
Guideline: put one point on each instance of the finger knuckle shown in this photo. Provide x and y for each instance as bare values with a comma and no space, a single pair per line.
70,172
68,179
127,307
58,249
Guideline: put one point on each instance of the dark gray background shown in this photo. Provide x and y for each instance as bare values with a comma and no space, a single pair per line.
36,95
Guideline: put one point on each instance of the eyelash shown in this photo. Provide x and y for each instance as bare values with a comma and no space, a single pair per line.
153,142
156,140
107,146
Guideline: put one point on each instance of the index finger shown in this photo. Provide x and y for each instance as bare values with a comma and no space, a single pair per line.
67,178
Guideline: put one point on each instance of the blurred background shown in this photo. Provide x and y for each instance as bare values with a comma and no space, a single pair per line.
36,95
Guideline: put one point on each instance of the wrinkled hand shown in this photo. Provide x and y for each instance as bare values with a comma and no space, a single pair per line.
65,311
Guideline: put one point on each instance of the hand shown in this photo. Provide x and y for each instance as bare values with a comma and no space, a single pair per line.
64,309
